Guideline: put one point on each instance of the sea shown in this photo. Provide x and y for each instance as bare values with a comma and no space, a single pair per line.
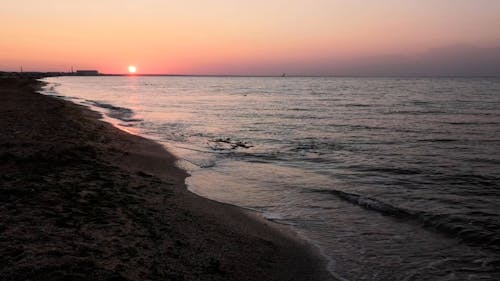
390,178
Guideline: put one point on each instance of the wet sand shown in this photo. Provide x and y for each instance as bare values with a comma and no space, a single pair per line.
82,200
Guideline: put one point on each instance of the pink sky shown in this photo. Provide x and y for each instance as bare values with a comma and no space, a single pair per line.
234,37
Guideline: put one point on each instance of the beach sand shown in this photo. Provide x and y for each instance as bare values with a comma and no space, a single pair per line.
82,200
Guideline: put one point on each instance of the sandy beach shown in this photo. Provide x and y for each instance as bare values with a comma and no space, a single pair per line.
82,200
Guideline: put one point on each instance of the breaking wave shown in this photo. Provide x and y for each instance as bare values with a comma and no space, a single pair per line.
466,229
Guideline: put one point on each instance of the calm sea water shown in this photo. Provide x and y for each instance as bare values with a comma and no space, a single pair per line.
393,179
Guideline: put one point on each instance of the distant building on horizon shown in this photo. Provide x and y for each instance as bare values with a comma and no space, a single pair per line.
87,72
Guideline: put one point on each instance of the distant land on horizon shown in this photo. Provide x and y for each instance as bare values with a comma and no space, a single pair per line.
457,60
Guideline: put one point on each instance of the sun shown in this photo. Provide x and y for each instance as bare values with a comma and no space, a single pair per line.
132,69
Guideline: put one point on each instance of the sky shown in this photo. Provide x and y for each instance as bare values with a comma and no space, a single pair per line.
258,37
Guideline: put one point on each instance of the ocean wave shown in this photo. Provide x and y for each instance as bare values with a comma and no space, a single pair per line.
357,105
116,112
469,229
316,144
388,170
437,140
414,112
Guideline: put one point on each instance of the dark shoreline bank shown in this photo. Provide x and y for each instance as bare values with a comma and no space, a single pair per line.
82,200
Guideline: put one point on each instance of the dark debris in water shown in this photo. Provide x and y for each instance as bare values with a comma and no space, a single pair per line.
228,143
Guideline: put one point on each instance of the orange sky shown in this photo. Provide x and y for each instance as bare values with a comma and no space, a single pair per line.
232,37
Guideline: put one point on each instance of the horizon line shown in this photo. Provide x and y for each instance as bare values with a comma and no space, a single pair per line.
63,73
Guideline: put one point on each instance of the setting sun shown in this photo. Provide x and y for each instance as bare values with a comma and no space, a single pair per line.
132,69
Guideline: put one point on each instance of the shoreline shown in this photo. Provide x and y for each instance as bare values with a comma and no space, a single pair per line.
85,200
